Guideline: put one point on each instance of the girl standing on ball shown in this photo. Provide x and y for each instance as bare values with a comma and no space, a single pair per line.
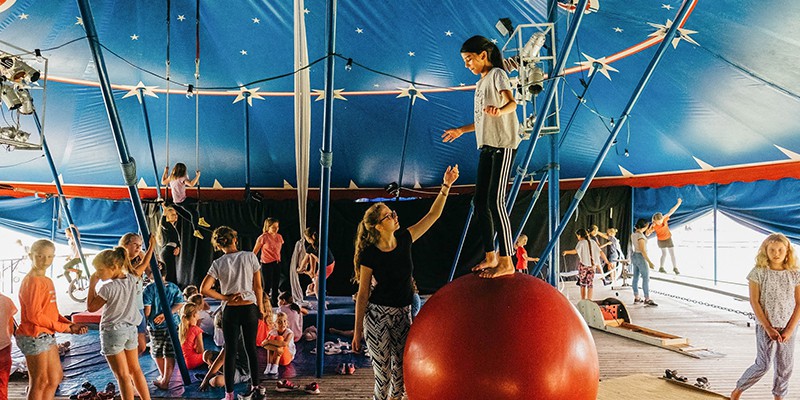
383,252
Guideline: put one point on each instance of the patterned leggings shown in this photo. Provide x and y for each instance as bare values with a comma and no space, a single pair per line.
784,362
386,332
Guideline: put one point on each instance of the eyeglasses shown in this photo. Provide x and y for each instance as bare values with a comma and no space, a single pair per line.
393,215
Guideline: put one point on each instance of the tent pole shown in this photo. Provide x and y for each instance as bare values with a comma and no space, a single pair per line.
326,161
61,198
554,160
665,42
246,95
128,166
146,117
461,241
412,93
550,95
716,204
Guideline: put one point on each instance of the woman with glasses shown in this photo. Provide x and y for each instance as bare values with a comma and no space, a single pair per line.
383,255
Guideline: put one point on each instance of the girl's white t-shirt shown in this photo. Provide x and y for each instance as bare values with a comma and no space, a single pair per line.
501,131
582,248
121,307
776,293
234,271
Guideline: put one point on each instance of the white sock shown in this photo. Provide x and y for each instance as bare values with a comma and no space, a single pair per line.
274,369
268,370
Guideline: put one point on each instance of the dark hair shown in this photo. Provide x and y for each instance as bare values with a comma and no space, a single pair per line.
179,171
288,299
641,223
311,233
478,44
223,237
582,233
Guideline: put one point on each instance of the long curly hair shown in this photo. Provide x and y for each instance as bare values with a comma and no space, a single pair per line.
367,235
789,262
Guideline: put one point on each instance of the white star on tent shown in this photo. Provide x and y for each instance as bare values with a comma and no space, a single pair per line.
134,37
352,185
494,41
666,6
682,33
359,30
147,90
792,155
253,94
142,184
603,68
243,52
256,21
24,16
703,165
617,29
407,93
337,94
217,185
448,33
306,11
181,17
79,21
411,54
625,172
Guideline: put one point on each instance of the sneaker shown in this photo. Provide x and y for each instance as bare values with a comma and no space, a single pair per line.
662,270
285,385
311,388
341,369
675,270
268,369
197,234
650,302
637,301
247,396
202,222
351,368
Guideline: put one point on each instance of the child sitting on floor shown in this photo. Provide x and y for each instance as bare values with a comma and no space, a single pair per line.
190,290
204,319
294,314
280,345
191,336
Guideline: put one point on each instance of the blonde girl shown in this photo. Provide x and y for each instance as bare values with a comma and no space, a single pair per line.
495,125
139,263
775,298
383,252
269,245
178,180
118,341
664,235
522,254
39,321
279,344
191,336
170,241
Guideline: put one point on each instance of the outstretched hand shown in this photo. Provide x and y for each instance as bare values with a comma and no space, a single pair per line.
451,175
451,135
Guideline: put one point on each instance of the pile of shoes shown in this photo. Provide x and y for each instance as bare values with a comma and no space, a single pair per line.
673,374
63,348
338,347
89,392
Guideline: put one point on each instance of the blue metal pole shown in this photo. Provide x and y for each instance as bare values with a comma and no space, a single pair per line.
528,212
246,146
53,220
553,173
412,94
128,166
326,161
150,142
550,95
665,42
716,204
61,198
461,241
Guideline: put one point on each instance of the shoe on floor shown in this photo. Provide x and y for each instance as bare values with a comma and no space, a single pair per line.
675,270
197,234
351,368
651,303
311,388
341,369
247,396
202,222
662,270
285,385
637,301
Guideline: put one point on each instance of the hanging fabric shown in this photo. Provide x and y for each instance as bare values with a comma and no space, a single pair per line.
166,129
302,111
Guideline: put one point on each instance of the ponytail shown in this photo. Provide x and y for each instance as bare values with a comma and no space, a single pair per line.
478,44
116,258
187,311
367,236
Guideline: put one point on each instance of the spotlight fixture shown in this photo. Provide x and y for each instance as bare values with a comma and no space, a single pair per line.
532,48
16,97
12,137
504,26
38,54
534,80
393,189
190,91
16,70
349,65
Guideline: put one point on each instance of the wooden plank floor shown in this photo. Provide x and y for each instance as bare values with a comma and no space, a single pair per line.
720,331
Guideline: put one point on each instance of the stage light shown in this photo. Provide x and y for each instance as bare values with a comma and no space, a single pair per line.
349,65
534,80
9,96
27,101
393,189
190,91
14,69
504,26
532,48
12,137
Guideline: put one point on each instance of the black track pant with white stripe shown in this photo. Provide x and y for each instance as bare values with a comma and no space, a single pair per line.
386,332
494,166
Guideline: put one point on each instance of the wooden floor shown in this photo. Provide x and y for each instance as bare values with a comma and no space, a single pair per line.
721,331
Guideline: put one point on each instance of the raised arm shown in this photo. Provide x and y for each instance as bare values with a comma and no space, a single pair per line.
139,268
435,212
674,208
165,176
93,301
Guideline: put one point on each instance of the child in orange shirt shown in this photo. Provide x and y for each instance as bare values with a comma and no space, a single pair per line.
661,227
40,320
7,311
280,345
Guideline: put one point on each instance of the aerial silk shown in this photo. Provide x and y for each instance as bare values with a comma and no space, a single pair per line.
302,111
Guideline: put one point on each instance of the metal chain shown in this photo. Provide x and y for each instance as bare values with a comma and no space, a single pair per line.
747,314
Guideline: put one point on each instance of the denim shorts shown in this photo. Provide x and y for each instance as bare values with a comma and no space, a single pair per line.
31,346
118,338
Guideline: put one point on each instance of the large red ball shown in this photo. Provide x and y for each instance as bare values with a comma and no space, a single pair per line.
513,337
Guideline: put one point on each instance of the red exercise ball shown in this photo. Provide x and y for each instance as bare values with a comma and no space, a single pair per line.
513,337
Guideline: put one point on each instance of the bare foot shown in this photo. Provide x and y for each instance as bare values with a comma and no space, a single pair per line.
161,385
489,262
500,270
736,394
